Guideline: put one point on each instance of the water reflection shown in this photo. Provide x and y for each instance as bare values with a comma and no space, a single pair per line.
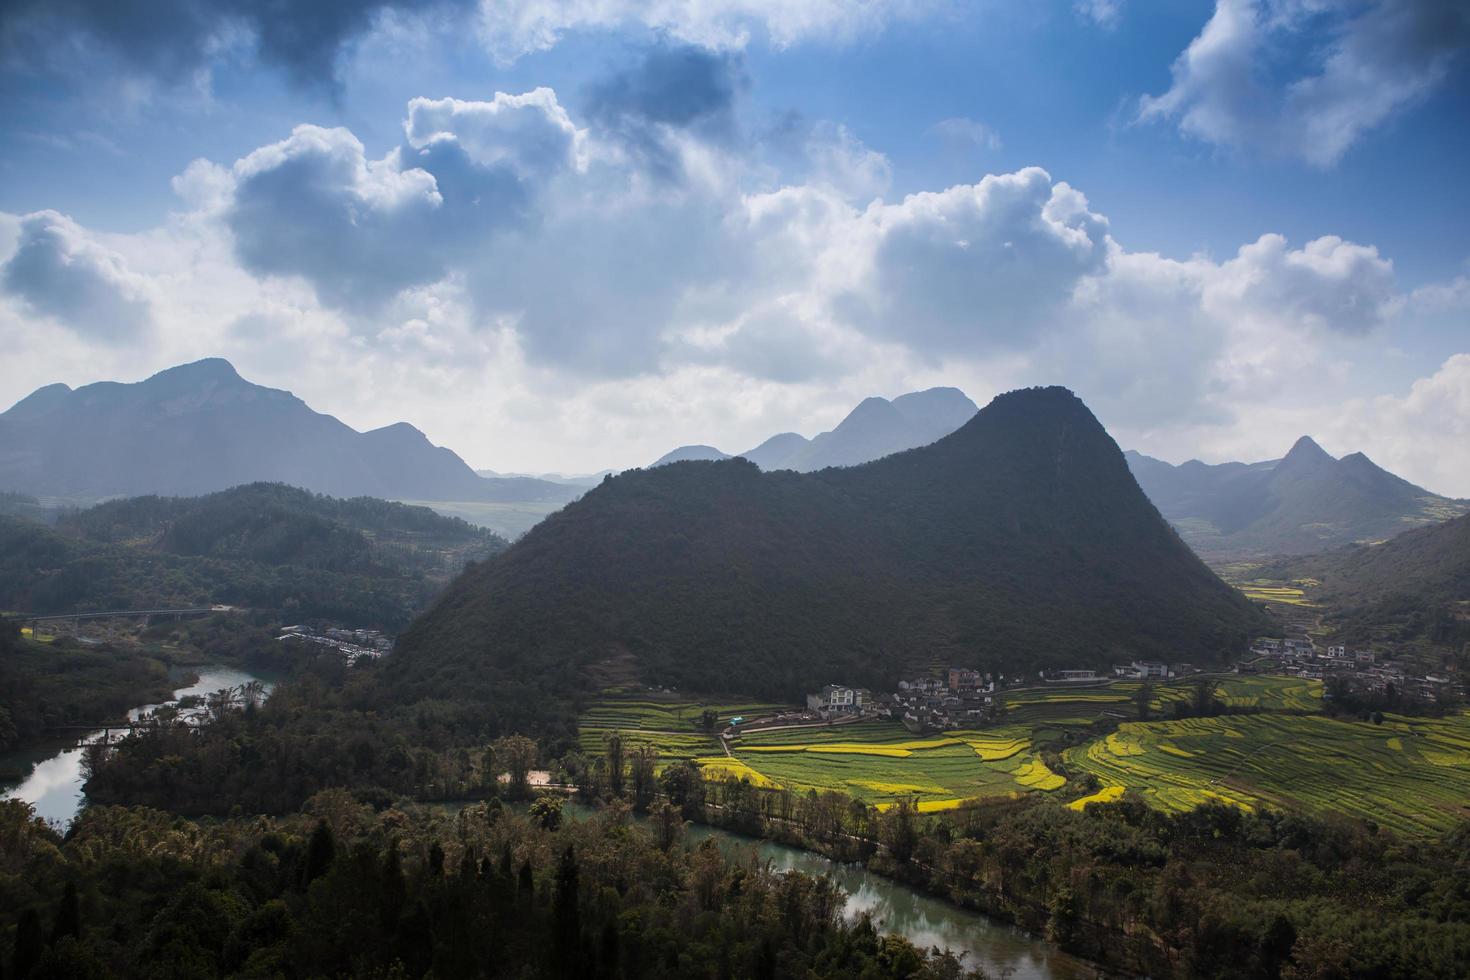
54,781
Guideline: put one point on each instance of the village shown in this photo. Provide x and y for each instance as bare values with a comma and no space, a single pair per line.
355,645
1301,657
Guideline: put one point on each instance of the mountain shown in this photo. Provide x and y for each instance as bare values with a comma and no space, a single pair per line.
876,428
263,546
200,427
1412,589
1019,541
685,453
1305,502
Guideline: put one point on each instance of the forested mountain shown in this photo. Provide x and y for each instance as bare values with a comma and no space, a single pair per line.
1021,540
1413,587
262,546
1305,502
200,427
876,428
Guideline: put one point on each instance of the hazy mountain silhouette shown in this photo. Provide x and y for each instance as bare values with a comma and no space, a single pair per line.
1305,502
200,427
876,428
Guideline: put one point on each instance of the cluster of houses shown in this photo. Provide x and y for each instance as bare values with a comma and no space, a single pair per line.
1301,657
961,698
353,644
1143,670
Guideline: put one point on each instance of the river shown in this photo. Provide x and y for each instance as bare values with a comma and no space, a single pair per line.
54,786
1002,950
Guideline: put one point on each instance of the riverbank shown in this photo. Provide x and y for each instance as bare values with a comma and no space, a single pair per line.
50,774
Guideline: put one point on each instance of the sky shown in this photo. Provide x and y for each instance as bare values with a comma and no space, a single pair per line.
569,235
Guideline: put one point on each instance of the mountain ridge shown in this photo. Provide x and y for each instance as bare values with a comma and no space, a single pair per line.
876,427
200,427
1019,540
1305,502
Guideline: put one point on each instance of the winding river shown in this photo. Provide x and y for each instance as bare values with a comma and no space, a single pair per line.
54,783
1001,950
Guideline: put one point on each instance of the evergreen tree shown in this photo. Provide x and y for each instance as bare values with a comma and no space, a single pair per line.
320,850
28,944
68,915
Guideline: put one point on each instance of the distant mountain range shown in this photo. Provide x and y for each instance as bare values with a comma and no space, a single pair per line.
1305,502
200,427
1018,541
876,428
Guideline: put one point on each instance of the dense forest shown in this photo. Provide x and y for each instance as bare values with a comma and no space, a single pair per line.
1019,541
43,686
342,890
262,546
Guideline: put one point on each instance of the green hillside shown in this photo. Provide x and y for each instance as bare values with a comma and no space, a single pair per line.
1415,587
261,546
1021,540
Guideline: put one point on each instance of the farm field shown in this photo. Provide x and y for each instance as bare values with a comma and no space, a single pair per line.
881,762
669,725
1410,775
1080,706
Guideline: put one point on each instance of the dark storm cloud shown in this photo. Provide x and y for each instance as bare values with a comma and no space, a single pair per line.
670,90
169,39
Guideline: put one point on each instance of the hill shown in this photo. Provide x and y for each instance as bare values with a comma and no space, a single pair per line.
1415,587
1020,540
1303,503
262,546
200,427
876,428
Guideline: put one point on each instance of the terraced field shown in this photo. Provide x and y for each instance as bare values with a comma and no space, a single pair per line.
669,725
1077,706
881,762
1411,775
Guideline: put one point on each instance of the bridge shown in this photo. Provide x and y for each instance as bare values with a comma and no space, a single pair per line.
121,614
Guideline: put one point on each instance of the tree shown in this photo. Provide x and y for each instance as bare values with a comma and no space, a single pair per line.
644,764
1144,700
612,744
547,811
1204,697
900,831
28,944
708,719
320,851
518,754
68,915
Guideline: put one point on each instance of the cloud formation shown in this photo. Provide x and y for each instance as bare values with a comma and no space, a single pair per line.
516,27
61,272
1238,84
171,39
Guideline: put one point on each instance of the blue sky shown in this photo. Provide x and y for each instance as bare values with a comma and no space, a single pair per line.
1224,224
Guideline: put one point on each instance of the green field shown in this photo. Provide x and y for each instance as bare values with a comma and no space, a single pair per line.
1411,775
670,725
880,762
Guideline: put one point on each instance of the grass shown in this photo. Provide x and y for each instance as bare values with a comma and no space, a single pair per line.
1411,775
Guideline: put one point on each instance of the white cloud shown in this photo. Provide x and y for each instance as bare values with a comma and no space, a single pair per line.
1103,13
61,272
524,290
968,131
1238,84
530,133
512,28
